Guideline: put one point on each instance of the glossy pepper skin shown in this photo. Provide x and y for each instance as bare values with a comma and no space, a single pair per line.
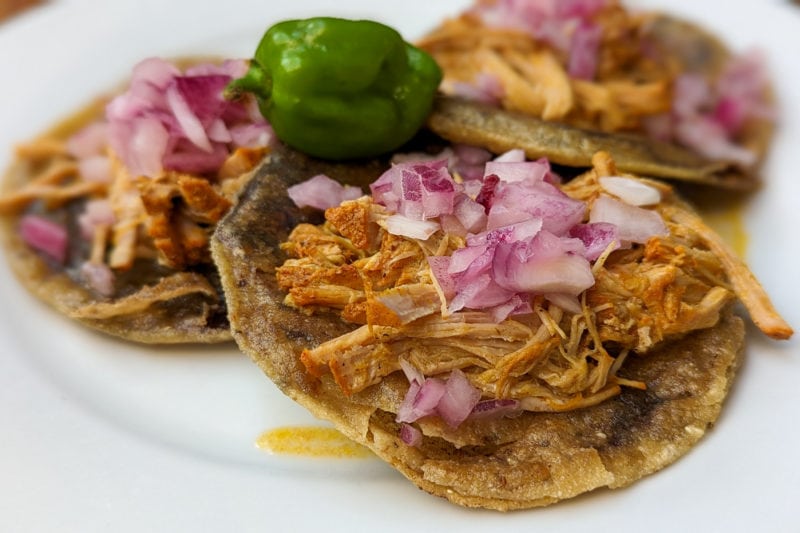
341,89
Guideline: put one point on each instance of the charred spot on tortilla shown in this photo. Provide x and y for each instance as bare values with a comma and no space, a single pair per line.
530,460
641,147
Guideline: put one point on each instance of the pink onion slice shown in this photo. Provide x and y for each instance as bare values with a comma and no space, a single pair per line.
99,277
421,400
95,168
596,238
419,191
634,224
411,228
322,192
45,236
585,51
169,120
631,191
410,435
95,213
90,141
453,400
188,121
458,400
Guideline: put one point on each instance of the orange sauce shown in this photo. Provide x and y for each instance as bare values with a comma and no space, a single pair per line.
310,441
728,222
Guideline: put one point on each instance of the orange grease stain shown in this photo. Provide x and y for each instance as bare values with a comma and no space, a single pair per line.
310,441
728,222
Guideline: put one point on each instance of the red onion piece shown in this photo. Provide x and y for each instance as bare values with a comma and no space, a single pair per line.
596,238
95,168
95,213
412,374
439,268
584,51
187,120
458,400
631,191
542,265
410,435
634,224
515,155
90,141
413,229
44,236
421,400
322,192
182,122
99,277
529,171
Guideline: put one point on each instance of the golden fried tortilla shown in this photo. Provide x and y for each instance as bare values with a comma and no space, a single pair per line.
531,460
152,303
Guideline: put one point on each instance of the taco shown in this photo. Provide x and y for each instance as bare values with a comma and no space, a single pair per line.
106,217
665,96
481,379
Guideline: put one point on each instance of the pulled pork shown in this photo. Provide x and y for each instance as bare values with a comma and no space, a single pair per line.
550,359
532,76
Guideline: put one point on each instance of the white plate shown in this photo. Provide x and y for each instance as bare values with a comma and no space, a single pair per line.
100,435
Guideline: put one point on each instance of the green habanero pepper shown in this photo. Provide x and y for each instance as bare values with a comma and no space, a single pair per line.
340,89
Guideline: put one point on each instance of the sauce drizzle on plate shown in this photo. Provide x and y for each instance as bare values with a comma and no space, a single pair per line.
310,441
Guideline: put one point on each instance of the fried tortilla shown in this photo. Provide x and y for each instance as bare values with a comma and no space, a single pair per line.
152,303
107,215
572,141
534,459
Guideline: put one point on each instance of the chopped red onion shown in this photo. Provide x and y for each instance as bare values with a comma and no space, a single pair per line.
413,229
187,120
90,141
485,88
566,25
469,213
322,192
95,213
515,155
252,135
412,374
439,268
514,202
709,138
99,277
542,264
44,236
528,171
631,191
585,51
182,122
458,400
421,400
95,168
634,224
596,238
453,400
410,435
418,191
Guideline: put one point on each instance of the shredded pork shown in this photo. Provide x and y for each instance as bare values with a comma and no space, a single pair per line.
533,79
550,359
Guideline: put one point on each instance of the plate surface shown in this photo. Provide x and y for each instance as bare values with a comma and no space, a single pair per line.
100,435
